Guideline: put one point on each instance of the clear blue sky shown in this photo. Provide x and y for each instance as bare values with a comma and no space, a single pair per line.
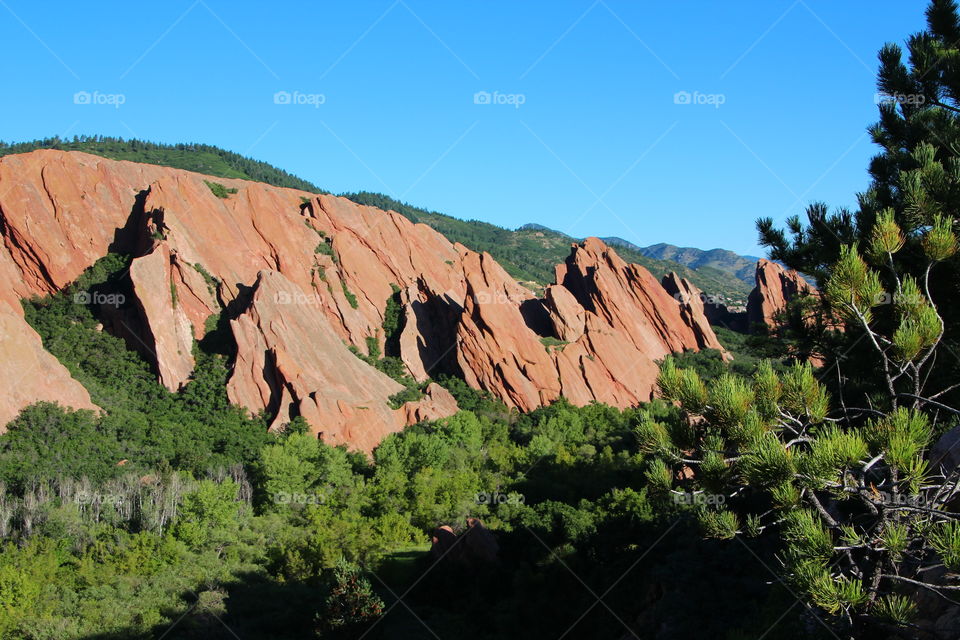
597,147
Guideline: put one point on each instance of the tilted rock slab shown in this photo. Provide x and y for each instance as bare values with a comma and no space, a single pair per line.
310,372
59,213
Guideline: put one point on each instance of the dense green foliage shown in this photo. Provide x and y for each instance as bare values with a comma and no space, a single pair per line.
202,158
564,488
188,509
853,484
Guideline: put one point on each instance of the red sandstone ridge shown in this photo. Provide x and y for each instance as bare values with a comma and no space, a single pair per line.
303,278
775,288
47,242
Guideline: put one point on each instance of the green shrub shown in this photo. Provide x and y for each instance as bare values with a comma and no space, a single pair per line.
351,299
219,190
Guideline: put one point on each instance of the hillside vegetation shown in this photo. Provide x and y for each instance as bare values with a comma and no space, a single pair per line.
202,158
177,515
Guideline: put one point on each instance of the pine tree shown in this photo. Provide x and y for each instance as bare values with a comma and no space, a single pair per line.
860,507
352,607
915,185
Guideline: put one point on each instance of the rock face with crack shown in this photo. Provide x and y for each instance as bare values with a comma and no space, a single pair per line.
303,278
59,213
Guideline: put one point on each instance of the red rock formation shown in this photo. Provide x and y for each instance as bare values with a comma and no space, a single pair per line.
59,212
306,276
567,317
775,288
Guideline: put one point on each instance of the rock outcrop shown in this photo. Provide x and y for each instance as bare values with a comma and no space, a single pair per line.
305,278
775,288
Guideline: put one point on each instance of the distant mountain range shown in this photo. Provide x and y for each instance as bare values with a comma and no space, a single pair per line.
743,267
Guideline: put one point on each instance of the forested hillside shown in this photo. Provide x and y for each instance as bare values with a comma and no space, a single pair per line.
202,158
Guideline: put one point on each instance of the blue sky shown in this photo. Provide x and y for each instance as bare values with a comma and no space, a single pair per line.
577,124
